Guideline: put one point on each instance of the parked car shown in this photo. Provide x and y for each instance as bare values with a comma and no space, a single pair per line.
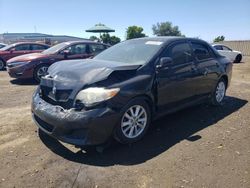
36,65
121,90
17,49
2,45
234,56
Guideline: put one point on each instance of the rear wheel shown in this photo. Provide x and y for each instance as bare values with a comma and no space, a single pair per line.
238,58
219,93
2,64
134,122
40,71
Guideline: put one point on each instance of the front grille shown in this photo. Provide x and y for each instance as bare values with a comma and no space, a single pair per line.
43,124
57,95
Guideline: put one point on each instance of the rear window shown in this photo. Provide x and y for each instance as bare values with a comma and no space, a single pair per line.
38,47
218,47
96,48
201,51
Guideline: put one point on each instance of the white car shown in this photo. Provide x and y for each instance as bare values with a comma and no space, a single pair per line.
234,56
2,45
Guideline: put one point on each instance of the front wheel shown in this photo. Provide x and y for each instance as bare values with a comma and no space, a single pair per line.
135,120
219,93
40,71
2,64
238,58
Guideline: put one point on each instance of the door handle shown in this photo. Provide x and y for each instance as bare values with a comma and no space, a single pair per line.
193,69
205,73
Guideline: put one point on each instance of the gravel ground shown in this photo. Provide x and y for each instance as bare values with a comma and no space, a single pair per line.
202,146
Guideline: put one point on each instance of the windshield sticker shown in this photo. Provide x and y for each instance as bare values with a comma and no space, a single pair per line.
154,43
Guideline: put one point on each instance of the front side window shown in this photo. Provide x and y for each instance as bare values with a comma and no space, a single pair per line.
77,49
22,47
201,51
180,53
96,48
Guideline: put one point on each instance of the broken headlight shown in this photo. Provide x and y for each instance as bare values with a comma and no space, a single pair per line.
94,95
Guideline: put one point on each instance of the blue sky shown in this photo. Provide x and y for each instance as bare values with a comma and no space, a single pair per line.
195,18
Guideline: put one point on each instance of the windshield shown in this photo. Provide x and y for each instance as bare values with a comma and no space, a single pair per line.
131,51
7,47
56,48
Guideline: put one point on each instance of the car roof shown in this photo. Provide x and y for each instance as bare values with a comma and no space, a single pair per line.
169,39
84,41
18,43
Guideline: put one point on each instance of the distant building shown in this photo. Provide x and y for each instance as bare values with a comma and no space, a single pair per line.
10,38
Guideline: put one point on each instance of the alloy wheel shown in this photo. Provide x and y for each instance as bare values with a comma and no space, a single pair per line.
220,91
42,71
134,121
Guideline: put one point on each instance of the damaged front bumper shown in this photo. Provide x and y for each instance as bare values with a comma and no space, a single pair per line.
91,127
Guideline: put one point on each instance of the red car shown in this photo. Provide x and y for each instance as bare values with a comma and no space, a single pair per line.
36,65
17,49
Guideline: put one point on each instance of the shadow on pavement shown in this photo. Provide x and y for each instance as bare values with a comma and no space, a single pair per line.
23,82
163,134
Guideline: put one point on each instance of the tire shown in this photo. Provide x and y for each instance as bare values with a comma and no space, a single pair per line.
2,64
39,72
238,58
219,93
139,124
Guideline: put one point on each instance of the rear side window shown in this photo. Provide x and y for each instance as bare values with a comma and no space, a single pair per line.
226,48
180,53
38,47
22,47
96,48
201,51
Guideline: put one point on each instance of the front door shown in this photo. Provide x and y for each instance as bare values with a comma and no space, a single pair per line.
176,82
77,51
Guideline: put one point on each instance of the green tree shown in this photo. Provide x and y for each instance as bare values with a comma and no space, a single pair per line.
134,32
94,38
219,38
112,40
166,29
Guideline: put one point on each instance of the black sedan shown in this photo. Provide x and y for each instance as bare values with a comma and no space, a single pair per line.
120,91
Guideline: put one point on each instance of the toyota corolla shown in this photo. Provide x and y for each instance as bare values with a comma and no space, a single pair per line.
120,91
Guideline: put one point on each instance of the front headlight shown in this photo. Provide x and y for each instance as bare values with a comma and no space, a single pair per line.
94,95
15,64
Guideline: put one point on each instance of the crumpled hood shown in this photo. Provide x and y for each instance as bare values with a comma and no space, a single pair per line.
75,74
28,57
86,71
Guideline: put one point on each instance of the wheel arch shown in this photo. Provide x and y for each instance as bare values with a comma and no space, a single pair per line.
224,77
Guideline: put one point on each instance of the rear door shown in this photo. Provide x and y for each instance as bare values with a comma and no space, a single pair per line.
177,82
207,65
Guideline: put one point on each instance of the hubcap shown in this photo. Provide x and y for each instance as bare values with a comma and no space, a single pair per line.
42,71
134,121
220,91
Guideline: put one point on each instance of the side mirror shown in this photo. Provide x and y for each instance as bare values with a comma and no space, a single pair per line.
65,53
12,50
164,62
